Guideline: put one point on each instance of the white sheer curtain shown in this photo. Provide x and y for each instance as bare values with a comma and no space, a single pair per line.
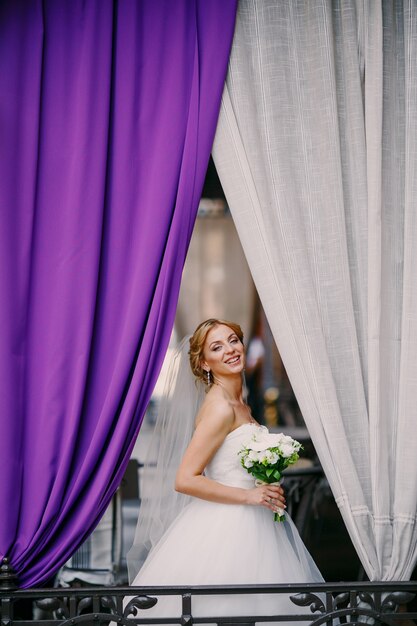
316,151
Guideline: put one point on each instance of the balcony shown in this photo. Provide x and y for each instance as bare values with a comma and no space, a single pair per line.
315,604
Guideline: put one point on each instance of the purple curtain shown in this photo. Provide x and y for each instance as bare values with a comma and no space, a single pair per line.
107,116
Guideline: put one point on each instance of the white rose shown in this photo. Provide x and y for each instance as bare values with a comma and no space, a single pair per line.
280,438
271,440
286,450
262,443
272,457
248,462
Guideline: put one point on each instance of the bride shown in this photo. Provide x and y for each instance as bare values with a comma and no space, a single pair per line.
214,526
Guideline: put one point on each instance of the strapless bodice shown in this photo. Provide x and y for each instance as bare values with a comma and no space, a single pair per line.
225,466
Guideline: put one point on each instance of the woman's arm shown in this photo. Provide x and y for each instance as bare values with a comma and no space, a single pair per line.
215,421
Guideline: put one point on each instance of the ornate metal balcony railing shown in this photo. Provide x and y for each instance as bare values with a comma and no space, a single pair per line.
328,603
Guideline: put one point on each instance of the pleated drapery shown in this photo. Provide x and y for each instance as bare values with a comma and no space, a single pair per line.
316,149
107,113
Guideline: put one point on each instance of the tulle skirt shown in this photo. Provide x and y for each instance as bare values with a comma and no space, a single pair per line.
224,544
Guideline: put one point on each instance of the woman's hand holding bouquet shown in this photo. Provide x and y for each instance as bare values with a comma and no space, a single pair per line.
266,456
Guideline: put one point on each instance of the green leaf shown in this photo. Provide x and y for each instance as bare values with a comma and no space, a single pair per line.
259,476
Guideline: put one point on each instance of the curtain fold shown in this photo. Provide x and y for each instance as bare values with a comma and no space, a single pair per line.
315,149
107,113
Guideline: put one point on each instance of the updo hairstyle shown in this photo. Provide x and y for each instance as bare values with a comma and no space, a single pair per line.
198,340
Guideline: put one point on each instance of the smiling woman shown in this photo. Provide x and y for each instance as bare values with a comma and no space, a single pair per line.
226,533
225,348
215,341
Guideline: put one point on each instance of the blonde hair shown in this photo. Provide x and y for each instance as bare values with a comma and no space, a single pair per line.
198,340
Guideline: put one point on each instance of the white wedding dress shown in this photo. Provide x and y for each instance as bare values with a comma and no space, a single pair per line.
224,544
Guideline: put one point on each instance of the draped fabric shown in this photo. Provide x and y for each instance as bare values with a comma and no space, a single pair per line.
107,113
316,149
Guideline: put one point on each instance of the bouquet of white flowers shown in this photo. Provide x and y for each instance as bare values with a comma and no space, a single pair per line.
266,456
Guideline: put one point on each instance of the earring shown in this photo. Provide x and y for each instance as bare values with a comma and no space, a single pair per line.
208,377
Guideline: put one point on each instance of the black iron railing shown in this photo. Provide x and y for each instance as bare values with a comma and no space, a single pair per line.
390,604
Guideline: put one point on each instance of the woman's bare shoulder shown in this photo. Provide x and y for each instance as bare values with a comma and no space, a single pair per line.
216,412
